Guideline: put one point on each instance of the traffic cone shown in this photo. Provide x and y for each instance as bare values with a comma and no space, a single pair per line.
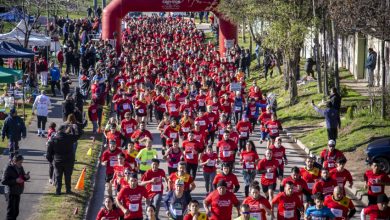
89,152
80,182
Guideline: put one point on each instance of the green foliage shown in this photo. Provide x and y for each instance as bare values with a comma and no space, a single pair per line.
349,114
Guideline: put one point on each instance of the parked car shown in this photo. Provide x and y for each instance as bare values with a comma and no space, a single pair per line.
380,150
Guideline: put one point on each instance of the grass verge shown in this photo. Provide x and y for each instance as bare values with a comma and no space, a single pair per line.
63,207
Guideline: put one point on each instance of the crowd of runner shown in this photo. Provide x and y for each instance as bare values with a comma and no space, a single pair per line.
168,74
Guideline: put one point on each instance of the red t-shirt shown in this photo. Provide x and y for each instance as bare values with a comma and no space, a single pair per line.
340,208
116,136
376,182
325,187
264,118
203,123
268,178
92,112
249,158
131,199
111,158
156,187
213,120
273,128
173,108
254,206
298,186
287,206
278,154
376,214
191,150
330,157
227,150
341,177
128,127
211,165
310,176
221,205
140,135
244,128
109,214
172,133
231,180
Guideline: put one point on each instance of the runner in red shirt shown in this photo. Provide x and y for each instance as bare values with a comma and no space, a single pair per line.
159,103
162,125
109,159
124,105
251,112
203,121
152,180
219,203
376,180
209,162
258,205
227,149
378,211
244,129
93,116
173,107
330,155
268,168
287,204
113,135
273,126
171,133
341,206
249,159
230,178
213,120
119,171
279,154
310,173
140,135
109,211
129,199
325,185
299,185
186,124
263,119
221,126
192,151
128,126
181,174
199,135
140,107
340,174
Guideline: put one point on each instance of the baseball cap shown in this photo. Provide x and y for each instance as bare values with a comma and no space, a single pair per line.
331,143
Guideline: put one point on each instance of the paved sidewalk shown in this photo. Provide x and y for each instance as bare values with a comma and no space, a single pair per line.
33,148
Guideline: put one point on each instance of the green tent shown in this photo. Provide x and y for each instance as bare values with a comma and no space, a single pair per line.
9,75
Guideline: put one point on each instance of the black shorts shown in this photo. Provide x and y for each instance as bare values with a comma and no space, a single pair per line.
273,137
109,177
266,187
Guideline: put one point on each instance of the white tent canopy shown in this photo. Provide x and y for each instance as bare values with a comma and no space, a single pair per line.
17,36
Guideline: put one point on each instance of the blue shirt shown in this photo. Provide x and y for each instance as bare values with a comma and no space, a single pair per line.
55,74
319,214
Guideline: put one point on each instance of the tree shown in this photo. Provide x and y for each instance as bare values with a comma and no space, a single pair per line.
370,17
287,25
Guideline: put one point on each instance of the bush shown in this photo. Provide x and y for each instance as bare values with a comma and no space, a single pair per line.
343,91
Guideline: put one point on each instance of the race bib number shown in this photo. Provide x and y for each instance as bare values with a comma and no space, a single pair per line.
126,106
189,156
156,188
274,131
129,130
337,212
113,163
211,163
174,165
141,111
280,161
177,212
288,213
256,216
173,135
253,112
201,103
269,176
133,207
186,129
249,165
310,185
376,189
331,165
163,106
237,108
226,153
221,131
244,134
202,123
172,109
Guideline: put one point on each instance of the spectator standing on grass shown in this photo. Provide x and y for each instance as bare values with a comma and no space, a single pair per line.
42,104
332,119
370,65
60,153
13,178
55,75
68,107
14,129
65,84
68,60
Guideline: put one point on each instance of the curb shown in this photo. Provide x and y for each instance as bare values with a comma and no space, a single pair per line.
358,193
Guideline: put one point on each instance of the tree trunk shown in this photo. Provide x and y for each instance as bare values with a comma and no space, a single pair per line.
243,32
279,60
383,110
317,51
326,88
336,58
286,71
293,74
257,41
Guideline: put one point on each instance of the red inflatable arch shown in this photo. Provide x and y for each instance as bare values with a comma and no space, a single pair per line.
117,9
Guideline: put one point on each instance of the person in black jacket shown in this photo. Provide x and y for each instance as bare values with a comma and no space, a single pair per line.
65,84
13,179
14,129
68,107
60,154
79,99
335,99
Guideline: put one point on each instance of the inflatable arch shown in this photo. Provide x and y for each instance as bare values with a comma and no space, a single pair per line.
117,9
